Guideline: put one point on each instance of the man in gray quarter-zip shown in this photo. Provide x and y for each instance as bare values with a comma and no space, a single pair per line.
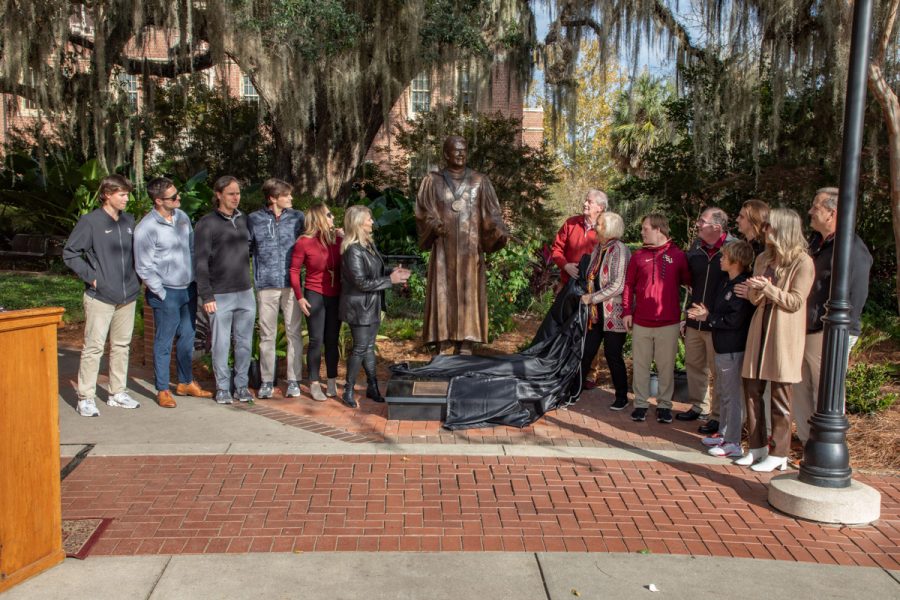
164,257
222,270
99,250
273,231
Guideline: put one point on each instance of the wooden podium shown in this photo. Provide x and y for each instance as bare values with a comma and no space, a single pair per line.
30,507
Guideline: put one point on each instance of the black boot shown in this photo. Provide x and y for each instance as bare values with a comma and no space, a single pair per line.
372,391
347,398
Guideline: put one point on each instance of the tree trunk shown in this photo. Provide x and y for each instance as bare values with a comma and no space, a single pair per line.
890,106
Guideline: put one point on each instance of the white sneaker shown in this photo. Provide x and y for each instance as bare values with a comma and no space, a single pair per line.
123,400
727,450
712,441
87,408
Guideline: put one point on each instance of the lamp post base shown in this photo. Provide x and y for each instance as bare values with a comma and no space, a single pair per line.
858,504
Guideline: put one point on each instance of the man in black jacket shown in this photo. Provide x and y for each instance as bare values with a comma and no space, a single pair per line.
99,250
222,269
704,262
823,220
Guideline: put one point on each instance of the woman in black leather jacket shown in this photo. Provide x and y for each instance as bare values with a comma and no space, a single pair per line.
364,278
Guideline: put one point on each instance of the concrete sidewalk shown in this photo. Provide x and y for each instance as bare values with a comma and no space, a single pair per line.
552,473
451,576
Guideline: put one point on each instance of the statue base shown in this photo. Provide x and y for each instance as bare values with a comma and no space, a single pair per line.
417,398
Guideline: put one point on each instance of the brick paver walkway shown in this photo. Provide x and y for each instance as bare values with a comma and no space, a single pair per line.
589,423
212,504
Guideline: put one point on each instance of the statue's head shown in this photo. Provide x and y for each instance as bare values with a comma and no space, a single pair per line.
455,152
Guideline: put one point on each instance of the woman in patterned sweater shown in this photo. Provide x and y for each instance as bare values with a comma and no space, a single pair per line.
606,280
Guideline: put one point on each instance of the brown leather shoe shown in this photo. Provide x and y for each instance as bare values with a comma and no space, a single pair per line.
192,389
165,399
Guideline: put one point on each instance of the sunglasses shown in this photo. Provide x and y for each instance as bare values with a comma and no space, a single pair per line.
175,197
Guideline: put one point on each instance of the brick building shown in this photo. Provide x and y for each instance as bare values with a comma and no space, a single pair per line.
441,86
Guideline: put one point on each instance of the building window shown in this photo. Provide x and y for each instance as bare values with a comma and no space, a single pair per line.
129,85
464,93
30,106
210,78
420,94
248,90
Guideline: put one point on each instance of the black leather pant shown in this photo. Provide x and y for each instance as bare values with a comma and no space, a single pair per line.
363,353
613,344
324,327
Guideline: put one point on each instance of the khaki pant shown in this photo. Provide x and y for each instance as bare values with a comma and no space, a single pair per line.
649,344
101,320
806,393
270,302
700,364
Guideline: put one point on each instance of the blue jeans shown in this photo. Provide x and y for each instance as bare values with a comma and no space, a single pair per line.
173,317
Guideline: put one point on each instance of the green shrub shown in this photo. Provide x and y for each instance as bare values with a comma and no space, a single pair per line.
864,383
508,282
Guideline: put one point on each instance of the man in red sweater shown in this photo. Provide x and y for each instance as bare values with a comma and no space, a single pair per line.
651,307
577,236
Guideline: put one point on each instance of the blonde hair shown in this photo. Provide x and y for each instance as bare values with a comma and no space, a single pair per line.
353,231
317,225
785,243
740,252
611,226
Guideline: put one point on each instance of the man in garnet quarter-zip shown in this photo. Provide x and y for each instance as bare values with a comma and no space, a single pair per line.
651,308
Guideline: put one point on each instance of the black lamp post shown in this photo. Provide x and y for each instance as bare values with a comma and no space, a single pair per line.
826,461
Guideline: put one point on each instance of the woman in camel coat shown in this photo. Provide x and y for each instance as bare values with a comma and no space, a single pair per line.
782,277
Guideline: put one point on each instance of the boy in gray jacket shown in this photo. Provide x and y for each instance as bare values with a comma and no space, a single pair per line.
99,250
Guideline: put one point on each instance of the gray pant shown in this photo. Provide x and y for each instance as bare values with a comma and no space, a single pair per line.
730,393
234,316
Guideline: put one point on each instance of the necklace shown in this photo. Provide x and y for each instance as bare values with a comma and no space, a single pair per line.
329,258
458,202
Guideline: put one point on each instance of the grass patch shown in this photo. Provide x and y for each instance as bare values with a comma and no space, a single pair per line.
38,290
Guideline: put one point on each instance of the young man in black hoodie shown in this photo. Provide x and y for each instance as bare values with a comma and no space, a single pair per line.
728,318
99,250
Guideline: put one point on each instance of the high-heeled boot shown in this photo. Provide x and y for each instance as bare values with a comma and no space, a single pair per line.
372,391
770,464
753,455
347,398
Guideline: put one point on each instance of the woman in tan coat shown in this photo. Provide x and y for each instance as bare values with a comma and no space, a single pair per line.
782,277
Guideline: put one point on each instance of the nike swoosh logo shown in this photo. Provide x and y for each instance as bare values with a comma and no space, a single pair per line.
108,230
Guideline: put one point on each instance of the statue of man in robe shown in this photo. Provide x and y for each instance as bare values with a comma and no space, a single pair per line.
458,219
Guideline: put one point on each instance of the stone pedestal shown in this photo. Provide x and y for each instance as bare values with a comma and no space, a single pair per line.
855,505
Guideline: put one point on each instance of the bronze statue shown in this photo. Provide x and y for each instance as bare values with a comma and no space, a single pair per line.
458,219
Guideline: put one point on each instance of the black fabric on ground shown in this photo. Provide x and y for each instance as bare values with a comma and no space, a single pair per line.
498,390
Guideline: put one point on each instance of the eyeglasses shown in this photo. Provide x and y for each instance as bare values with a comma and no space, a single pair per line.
175,197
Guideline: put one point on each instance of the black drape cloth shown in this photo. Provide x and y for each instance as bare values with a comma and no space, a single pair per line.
494,390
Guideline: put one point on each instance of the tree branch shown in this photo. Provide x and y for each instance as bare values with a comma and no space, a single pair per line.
667,20
167,69
886,35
